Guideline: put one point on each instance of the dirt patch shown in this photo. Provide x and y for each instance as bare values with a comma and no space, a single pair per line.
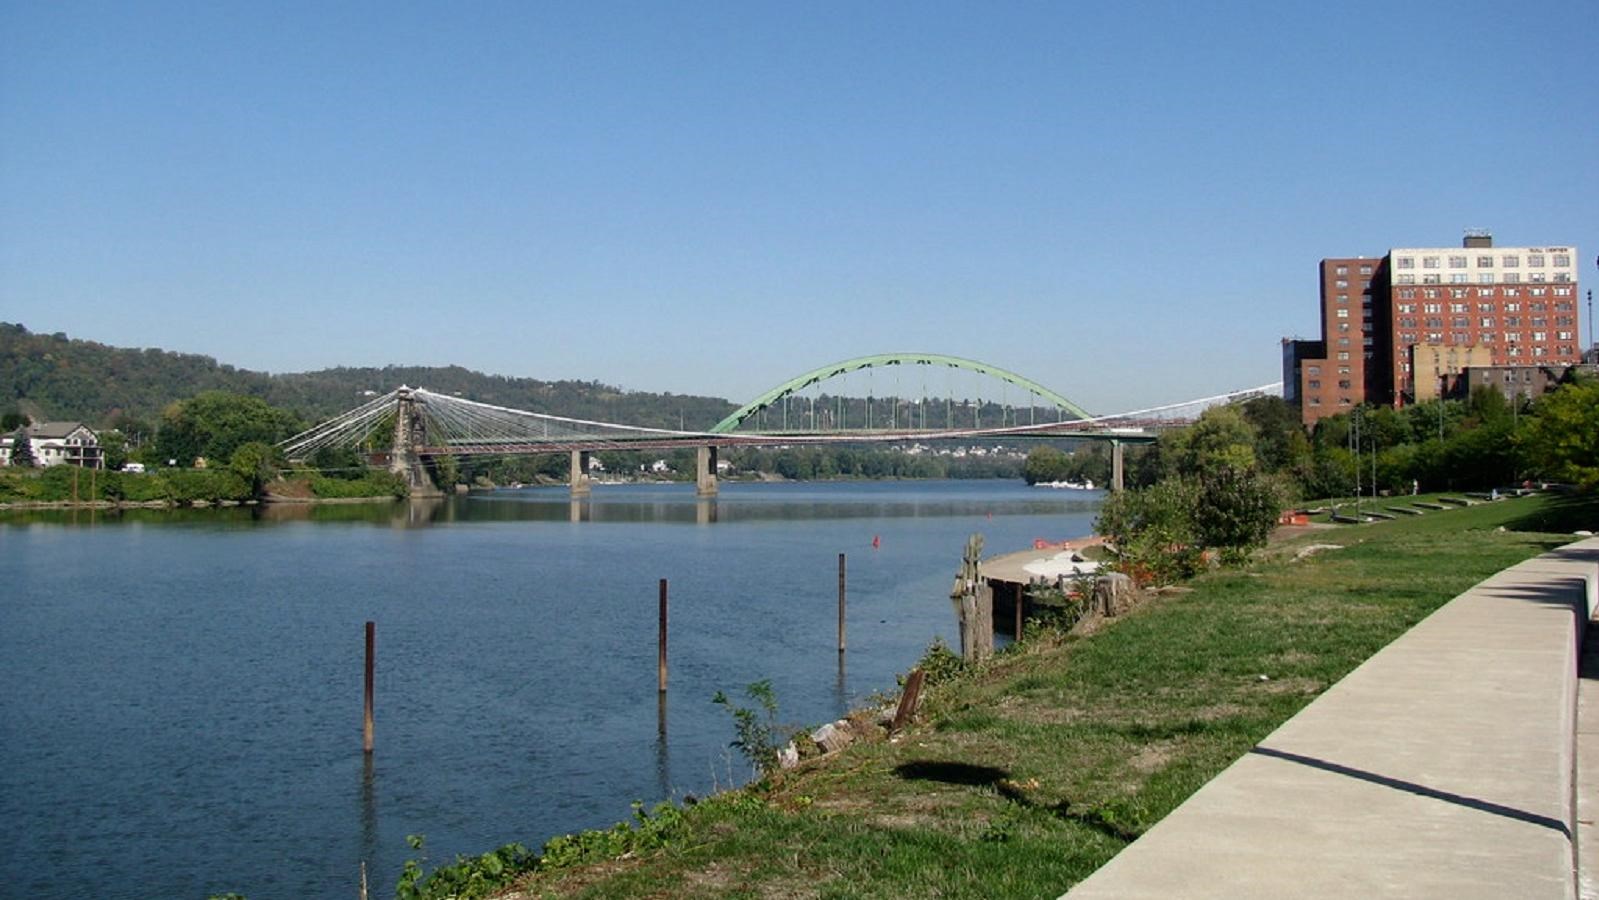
1153,756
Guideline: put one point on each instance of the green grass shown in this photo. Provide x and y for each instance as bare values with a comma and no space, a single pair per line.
1025,777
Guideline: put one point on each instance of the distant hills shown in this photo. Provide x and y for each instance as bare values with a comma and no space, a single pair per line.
54,377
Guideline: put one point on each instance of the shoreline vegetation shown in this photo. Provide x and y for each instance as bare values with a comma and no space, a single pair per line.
1023,774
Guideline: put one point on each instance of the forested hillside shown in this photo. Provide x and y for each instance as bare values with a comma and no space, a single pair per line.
51,377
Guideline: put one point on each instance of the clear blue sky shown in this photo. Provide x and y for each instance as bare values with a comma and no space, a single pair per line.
1123,201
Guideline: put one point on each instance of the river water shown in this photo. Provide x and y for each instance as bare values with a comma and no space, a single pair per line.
181,712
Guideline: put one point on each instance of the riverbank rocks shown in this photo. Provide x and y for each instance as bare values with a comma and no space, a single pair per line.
833,736
788,756
1114,594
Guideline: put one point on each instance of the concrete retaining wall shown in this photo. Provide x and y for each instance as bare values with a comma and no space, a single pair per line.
1443,766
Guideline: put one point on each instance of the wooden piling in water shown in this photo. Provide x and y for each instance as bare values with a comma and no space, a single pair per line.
661,648
841,603
366,718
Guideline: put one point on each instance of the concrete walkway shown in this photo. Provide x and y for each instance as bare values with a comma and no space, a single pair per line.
1443,766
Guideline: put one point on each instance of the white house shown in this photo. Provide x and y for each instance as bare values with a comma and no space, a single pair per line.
54,443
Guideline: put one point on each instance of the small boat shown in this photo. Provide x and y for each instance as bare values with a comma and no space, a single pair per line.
1085,485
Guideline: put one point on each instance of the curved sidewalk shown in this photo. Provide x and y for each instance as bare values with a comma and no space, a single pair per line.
1443,766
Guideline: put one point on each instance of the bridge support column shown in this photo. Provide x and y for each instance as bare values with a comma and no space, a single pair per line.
1116,466
579,476
405,460
705,472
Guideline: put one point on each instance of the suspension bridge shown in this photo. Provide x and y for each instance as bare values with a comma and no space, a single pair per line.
797,412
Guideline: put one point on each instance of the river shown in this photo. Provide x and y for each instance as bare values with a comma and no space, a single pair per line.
181,712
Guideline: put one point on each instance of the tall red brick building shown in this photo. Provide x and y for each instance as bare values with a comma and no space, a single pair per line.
1404,327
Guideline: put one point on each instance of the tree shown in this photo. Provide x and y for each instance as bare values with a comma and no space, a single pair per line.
214,424
1221,437
256,463
22,449
1151,531
1561,436
1235,510
1045,464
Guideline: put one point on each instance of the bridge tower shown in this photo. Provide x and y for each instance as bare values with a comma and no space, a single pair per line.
409,437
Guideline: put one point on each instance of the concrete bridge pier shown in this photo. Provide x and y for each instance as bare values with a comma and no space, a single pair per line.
579,475
705,472
1116,466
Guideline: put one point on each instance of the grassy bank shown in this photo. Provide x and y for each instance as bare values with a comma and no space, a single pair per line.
1027,775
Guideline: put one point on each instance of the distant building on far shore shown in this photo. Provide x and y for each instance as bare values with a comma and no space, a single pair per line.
58,443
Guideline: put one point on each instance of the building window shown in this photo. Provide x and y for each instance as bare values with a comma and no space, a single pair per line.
1343,383
1314,370
1314,385
1538,292
1537,351
1343,354
1512,321
1536,276
1562,292
1407,279
1315,401
1343,313
1343,342
1485,278
1512,307
1343,298
1511,262
1563,336
1457,262
1485,292
1561,259
1562,276
1460,322
1459,279
1540,335
1485,262
1432,307
1457,307
1489,338
1535,260
1405,262
1407,307
1429,262
1486,322
1512,278
1341,270
1432,279
1366,270
1343,370
1407,293
1341,284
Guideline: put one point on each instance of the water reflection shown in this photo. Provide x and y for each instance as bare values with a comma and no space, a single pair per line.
369,810
663,759
628,504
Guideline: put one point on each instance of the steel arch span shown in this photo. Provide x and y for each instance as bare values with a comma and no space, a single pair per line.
814,376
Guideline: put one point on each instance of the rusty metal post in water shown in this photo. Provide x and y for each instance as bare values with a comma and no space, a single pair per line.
366,719
661,650
841,603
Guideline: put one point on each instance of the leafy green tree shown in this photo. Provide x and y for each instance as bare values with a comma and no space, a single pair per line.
1151,531
1561,435
1235,510
1221,437
113,449
257,463
214,424
13,420
1045,464
22,450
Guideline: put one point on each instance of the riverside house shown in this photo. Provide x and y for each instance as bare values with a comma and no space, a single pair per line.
55,443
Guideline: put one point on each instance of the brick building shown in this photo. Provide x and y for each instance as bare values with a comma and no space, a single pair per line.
1403,327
